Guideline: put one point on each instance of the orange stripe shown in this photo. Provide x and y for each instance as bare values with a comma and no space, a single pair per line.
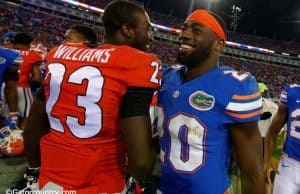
247,97
244,116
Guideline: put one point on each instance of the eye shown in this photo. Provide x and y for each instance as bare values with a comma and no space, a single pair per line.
197,29
183,27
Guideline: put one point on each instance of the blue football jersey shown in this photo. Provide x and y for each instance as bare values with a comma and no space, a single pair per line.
290,98
8,58
193,120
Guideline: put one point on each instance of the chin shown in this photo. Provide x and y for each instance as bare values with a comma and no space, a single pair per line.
182,58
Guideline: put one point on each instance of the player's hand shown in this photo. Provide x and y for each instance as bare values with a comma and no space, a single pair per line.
12,120
132,186
270,170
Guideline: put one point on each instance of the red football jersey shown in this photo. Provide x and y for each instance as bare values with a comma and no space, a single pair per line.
29,59
84,87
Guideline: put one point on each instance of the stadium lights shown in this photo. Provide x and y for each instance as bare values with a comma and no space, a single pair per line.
173,30
285,54
235,16
236,8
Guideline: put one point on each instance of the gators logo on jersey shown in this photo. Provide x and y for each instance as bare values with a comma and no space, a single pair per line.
2,60
202,101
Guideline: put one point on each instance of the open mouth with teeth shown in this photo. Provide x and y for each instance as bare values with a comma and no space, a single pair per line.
185,48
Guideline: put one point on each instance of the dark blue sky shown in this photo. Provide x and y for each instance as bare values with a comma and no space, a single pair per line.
278,19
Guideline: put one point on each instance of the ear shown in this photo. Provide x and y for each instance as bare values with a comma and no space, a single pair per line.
127,31
220,45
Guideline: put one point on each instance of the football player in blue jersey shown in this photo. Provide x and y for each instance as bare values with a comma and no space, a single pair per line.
206,111
9,64
287,179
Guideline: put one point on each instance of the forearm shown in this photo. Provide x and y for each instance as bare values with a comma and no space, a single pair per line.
270,144
37,126
252,170
273,131
141,155
136,126
36,75
247,145
253,181
11,97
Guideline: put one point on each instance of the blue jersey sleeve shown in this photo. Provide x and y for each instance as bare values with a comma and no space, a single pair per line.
289,95
245,104
284,96
17,60
10,58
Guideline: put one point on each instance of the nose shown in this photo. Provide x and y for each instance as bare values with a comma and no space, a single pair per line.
185,34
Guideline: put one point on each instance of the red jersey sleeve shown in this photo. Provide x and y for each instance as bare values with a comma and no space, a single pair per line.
35,58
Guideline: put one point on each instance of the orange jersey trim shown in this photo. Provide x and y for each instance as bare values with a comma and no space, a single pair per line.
282,100
244,116
246,97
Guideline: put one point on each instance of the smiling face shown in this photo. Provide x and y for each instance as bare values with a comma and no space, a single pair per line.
196,44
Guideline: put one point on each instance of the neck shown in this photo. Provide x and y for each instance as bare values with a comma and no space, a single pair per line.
201,69
115,41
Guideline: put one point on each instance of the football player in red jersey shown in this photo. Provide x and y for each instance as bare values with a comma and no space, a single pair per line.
80,34
97,100
29,72
38,120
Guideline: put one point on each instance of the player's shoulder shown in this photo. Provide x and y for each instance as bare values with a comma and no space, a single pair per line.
290,94
134,54
292,90
35,55
171,70
8,55
243,79
293,87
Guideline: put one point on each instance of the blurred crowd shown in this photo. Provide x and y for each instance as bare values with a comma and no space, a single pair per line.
49,29
275,77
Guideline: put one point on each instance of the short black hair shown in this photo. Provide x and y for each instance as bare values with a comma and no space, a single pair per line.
220,21
23,38
118,13
87,32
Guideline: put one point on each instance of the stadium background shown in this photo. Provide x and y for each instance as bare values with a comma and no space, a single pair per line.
274,62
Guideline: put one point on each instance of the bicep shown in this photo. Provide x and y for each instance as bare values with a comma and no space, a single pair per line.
136,128
36,68
247,145
134,113
36,72
137,133
279,119
11,75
